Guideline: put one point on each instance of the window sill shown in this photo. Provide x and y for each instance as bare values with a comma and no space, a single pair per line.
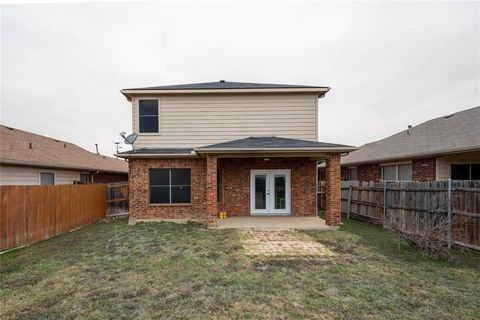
150,134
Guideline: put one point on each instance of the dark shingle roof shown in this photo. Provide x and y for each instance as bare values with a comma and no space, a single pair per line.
225,85
271,143
158,151
451,133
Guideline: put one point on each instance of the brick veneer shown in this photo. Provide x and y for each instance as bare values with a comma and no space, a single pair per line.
424,169
109,177
235,175
212,190
332,185
140,207
369,172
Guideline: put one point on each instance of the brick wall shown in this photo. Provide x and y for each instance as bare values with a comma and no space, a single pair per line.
235,174
424,169
344,174
109,177
140,207
332,188
369,172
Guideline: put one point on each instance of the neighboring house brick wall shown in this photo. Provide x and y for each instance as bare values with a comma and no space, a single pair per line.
140,207
424,169
109,177
369,172
235,175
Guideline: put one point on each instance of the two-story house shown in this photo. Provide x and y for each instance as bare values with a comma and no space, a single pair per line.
245,148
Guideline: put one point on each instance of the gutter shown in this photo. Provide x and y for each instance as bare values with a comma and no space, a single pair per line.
275,150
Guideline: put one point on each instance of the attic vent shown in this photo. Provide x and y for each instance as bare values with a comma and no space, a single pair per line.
56,140
30,145
8,128
64,145
222,81
449,116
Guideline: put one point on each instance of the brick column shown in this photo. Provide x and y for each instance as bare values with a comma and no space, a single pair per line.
212,190
332,184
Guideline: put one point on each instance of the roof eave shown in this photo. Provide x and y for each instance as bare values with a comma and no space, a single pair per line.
128,93
411,156
23,163
275,150
156,155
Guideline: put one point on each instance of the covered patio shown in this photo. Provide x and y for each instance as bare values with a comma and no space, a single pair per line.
271,182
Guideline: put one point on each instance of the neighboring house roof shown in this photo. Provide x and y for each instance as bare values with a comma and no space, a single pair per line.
453,133
224,86
250,144
52,153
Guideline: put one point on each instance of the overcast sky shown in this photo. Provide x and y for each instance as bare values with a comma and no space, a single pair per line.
389,64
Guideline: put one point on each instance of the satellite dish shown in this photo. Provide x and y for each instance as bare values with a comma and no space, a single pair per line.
130,139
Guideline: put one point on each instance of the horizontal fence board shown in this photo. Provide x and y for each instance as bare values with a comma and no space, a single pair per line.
33,213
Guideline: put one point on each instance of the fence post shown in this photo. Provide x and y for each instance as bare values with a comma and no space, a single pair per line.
449,204
384,201
349,204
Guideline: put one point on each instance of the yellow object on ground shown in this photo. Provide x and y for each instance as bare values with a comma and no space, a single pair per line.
222,215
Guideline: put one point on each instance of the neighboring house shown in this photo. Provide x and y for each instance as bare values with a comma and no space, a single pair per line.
439,149
31,159
244,148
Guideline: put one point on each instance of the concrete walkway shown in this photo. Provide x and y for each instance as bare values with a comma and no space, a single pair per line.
274,223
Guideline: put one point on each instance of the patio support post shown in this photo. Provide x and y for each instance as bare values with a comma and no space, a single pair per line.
212,190
332,184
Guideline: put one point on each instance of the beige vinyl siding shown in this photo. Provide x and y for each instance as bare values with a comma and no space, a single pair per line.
198,120
444,162
16,175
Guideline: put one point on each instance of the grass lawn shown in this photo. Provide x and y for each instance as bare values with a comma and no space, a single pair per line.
113,271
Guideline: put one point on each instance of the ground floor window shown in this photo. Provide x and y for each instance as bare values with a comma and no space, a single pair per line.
465,171
47,178
85,177
170,186
397,172
352,174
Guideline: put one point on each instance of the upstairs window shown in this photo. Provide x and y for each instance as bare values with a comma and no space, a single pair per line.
170,186
148,116
465,171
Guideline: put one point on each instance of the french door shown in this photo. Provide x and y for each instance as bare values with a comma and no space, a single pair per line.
270,192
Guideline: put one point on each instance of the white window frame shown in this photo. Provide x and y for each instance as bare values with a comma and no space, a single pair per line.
137,107
269,209
40,178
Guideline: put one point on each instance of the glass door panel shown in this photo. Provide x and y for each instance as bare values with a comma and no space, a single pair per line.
260,192
280,200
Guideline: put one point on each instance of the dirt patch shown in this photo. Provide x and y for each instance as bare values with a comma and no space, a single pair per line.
282,243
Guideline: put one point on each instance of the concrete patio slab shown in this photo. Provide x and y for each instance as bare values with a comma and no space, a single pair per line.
274,223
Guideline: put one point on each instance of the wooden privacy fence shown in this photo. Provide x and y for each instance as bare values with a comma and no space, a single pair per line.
117,199
414,207
32,213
